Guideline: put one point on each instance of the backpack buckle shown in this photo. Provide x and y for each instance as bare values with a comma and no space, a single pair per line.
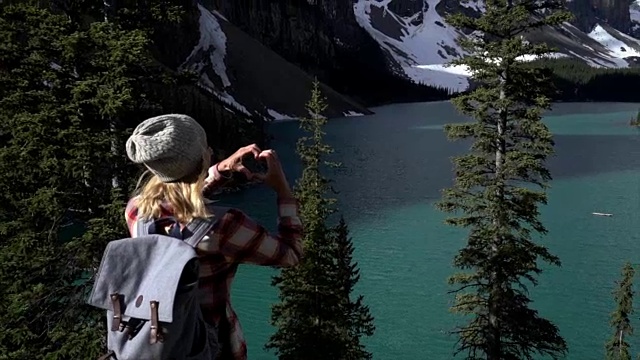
156,332
117,312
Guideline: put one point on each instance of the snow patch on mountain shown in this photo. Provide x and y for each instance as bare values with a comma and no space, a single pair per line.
276,116
212,41
615,47
415,42
209,54
463,70
577,44
477,5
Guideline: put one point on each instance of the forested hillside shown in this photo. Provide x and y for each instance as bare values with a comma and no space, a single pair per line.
576,81
74,80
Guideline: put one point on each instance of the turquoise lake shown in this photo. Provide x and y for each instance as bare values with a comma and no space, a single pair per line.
397,161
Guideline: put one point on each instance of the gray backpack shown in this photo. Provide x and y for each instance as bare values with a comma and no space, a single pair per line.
149,287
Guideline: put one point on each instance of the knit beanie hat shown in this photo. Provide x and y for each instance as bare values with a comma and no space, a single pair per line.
172,146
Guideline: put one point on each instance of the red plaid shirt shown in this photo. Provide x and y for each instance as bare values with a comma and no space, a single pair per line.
235,239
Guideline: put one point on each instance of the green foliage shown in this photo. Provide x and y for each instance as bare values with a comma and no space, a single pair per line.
575,80
358,318
316,317
136,14
494,194
617,347
68,92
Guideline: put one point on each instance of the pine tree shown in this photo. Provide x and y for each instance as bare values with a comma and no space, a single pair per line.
617,347
500,182
46,164
316,317
360,322
60,84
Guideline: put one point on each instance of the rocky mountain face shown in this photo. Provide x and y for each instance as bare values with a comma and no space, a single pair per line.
260,56
415,35
406,8
614,13
587,13
251,78
320,36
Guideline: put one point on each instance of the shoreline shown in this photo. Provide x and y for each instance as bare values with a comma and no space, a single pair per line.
383,105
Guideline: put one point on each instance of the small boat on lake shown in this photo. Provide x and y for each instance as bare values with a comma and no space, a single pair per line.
601,214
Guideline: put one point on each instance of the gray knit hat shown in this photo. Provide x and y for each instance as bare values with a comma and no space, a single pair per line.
172,146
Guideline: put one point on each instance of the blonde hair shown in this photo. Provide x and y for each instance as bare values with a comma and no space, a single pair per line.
184,196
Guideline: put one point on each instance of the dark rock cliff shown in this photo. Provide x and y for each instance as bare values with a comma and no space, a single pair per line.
323,38
587,13
261,79
406,8
227,129
174,42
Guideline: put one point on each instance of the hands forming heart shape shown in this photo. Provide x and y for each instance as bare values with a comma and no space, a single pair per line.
234,162
274,176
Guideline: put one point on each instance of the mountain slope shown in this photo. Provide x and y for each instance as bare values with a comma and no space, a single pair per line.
415,42
421,42
251,78
261,61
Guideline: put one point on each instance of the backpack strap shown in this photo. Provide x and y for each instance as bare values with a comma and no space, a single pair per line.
199,228
195,230
150,226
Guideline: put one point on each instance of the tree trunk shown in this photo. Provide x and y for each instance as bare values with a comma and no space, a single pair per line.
109,9
494,346
620,343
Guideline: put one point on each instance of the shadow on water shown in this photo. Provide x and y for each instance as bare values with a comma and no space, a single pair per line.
392,159
585,155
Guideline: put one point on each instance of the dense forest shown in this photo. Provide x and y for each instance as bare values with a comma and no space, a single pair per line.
573,79
577,81
404,90
75,77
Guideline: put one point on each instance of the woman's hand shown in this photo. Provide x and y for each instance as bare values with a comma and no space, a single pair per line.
274,177
234,162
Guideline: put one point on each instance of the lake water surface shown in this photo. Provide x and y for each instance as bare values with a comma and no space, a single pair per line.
396,163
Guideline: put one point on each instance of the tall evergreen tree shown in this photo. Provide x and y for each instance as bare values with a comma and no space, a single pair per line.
316,317
46,165
60,84
494,195
359,321
617,347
